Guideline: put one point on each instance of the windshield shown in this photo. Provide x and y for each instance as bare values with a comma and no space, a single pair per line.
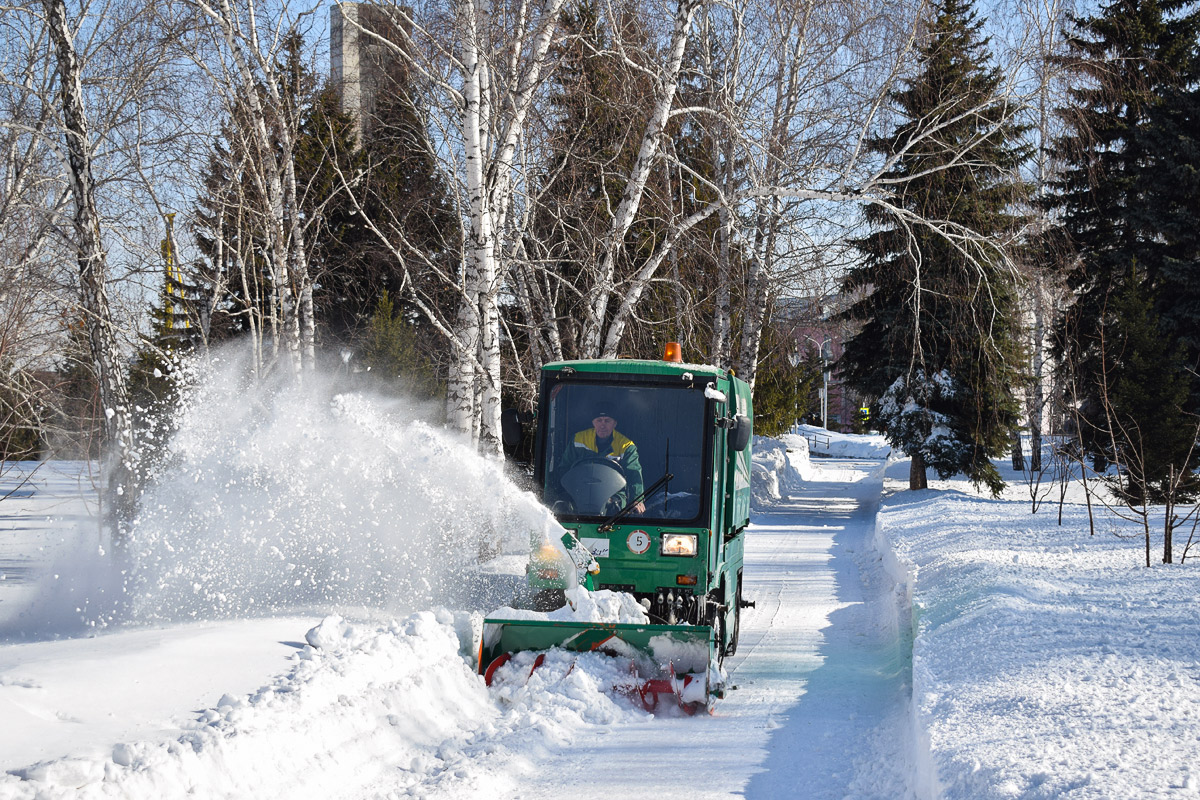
607,443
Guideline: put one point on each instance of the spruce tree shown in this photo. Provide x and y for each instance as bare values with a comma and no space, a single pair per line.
229,235
783,392
1173,191
395,182
1127,191
938,335
327,154
405,190
393,356
1147,432
398,185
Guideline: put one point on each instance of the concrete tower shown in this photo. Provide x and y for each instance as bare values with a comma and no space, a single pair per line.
361,65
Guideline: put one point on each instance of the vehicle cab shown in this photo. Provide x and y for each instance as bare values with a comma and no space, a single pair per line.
662,501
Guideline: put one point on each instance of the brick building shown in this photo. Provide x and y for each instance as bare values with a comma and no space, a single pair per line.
810,325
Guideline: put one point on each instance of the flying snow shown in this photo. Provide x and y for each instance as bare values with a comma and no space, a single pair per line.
287,497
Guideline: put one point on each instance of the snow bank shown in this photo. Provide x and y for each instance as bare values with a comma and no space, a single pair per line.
399,698
378,710
778,466
1047,663
844,445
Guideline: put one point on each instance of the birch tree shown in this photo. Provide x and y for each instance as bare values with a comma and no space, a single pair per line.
482,66
32,196
242,49
787,87
799,90
602,337
1043,23
92,261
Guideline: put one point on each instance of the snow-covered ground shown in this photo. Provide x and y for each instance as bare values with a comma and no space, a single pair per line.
928,645
381,709
1049,662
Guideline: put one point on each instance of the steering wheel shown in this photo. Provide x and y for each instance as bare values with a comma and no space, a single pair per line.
611,463
592,481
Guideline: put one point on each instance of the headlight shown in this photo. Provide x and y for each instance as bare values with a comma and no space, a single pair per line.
547,563
548,554
679,544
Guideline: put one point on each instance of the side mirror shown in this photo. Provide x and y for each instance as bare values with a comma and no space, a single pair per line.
739,435
510,427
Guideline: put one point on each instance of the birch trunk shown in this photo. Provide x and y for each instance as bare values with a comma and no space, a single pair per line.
723,158
757,290
461,399
105,350
1046,20
488,177
1037,396
722,354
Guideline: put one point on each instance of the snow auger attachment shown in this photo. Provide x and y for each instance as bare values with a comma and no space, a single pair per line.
646,467
682,658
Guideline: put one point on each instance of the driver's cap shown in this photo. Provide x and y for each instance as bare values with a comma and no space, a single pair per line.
604,410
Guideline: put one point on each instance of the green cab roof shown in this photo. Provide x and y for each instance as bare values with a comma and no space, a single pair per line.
636,366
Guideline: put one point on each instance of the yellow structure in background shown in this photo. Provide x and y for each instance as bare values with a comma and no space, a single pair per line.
174,293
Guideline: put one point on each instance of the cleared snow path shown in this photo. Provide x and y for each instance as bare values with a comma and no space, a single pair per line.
821,709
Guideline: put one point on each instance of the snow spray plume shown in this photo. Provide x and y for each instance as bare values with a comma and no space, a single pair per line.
281,497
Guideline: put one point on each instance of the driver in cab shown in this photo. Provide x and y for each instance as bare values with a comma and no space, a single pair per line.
603,439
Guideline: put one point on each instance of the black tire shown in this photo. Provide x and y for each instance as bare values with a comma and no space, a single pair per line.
717,623
549,600
737,618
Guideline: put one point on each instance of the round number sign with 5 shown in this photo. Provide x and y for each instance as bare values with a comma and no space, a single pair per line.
638,541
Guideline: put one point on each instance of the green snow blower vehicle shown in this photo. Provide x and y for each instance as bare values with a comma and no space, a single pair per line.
646,464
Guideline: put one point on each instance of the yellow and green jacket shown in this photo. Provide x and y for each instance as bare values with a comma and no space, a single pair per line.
621,449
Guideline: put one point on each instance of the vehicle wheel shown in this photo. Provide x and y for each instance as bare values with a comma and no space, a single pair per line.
549,600
737,619
717,622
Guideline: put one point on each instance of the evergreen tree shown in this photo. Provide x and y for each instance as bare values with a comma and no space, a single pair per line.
327,154
398,185
230,238
1127,192
939,329
392,354
404,189
1173,135
783,392
1146,430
